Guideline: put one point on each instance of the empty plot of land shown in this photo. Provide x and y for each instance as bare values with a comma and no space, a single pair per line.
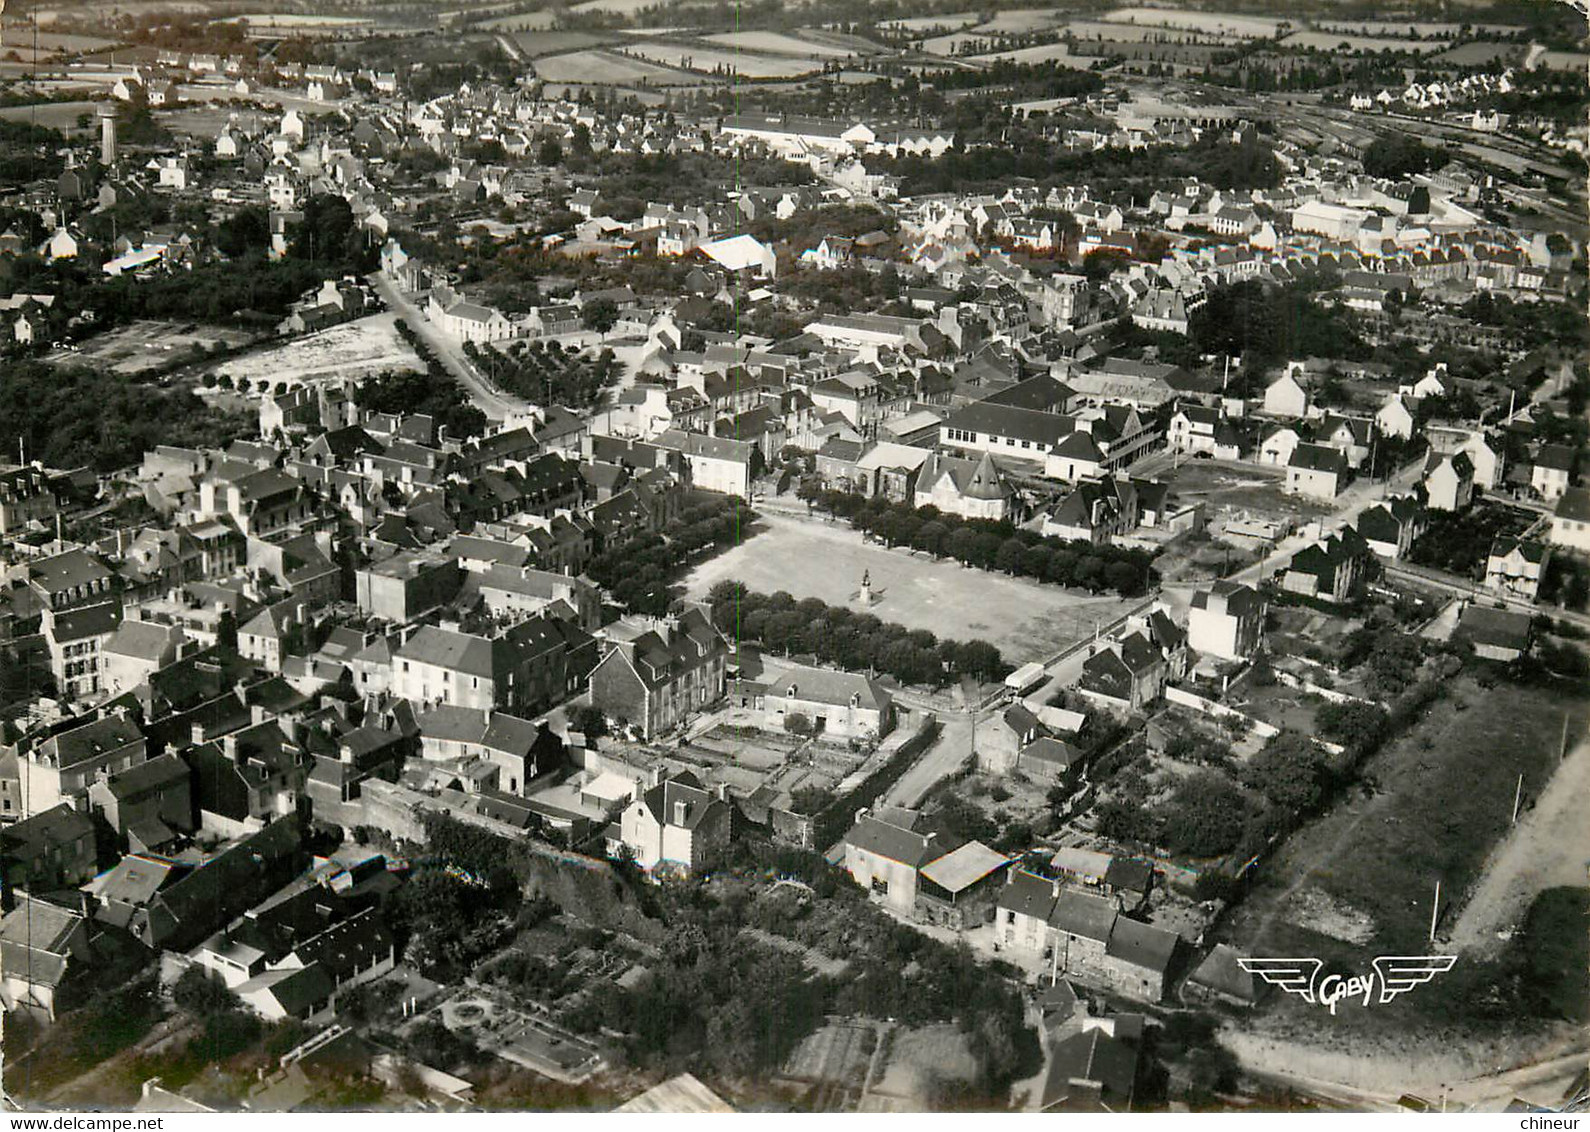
777,43
149,345
1026,620
1211,23
704,57
1242,487
354,349
605,67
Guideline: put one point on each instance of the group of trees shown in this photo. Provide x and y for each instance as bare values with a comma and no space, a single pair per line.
718,999
1015,151
640,573
850,640
1265,324
433,393
1399,155
69,416
28,152
990,545
546,373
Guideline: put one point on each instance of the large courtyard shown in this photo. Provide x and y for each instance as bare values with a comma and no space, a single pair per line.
814,558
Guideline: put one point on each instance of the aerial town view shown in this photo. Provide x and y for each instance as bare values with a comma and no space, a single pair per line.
677,556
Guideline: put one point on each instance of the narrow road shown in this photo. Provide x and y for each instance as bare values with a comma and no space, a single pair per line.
497,406
942,759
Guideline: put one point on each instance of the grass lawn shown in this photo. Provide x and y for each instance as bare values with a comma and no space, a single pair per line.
810,558
1557,953
1359,882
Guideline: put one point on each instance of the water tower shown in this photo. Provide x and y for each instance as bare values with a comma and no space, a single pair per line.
107,135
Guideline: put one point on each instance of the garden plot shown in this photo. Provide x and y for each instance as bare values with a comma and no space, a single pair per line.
357,349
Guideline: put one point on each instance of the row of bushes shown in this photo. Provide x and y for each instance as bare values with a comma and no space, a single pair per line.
850,640
992,545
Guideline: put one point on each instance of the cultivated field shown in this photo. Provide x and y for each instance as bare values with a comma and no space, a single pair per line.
691,57
525,21
606,67
354,349
950,44
538,43
148,345
1017,21
932,23
1330,41
55,115
1479,53
777,43
813,558
617,7
1042,53
1410,30
1136,33
1211,23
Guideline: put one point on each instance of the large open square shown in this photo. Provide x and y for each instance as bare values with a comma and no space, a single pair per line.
814,558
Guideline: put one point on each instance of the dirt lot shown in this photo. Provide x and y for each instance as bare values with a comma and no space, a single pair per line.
813,558
141,347
354,349
1241,487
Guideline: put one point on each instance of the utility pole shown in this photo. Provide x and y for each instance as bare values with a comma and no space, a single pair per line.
1518,797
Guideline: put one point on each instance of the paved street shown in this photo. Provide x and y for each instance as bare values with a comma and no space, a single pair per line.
498,406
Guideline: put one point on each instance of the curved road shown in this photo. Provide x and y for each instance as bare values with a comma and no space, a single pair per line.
496,405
